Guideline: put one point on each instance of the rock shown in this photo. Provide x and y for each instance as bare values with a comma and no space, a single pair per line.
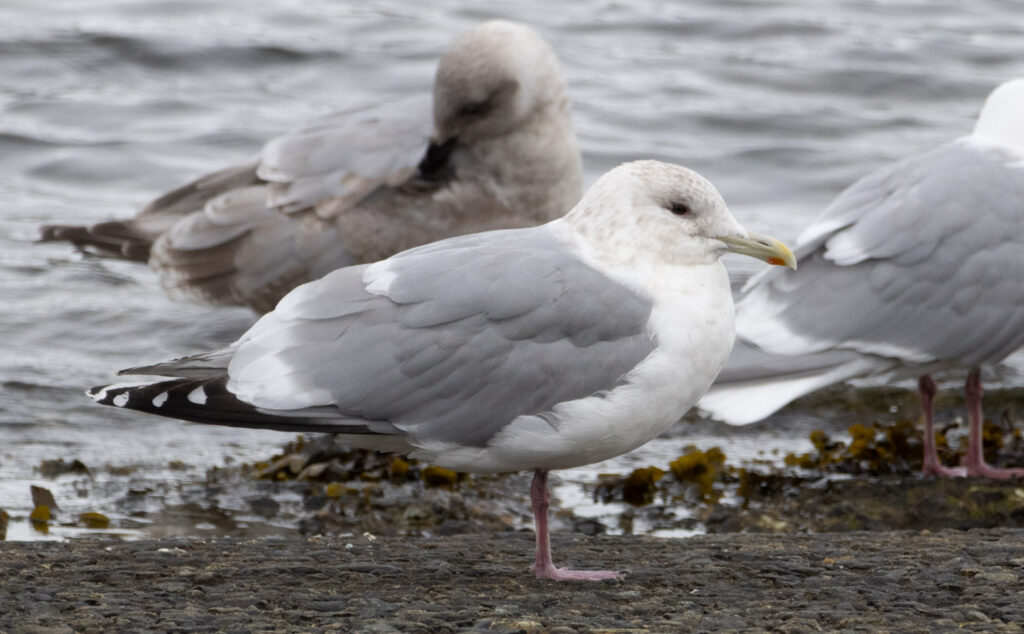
41,496
265,506
54,468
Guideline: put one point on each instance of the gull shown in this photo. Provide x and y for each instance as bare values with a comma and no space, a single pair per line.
533,349
916,268
497,150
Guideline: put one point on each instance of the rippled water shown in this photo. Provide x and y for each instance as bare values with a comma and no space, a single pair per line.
107,103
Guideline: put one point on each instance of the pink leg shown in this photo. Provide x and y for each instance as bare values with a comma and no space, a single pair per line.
976,465
542,566
931,464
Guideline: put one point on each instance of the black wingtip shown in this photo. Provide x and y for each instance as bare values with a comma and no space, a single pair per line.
206,401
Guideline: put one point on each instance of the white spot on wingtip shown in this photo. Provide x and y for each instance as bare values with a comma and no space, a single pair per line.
197,396
100,394
121,399
160,399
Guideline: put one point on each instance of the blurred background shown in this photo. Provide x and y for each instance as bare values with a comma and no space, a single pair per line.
105,104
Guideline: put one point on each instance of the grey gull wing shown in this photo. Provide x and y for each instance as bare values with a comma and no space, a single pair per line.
253,245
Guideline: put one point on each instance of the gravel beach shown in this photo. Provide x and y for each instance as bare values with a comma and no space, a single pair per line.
862,581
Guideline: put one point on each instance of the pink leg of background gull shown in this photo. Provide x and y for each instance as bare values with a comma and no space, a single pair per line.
976,465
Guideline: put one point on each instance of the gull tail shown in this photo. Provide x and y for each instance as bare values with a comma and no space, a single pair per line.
115,239
755,384
132,238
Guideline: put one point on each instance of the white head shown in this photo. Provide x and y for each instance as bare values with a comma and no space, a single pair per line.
492,79
1002,117
670,212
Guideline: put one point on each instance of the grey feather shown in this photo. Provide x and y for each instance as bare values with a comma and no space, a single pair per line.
459,370
749,363
348,154
199,366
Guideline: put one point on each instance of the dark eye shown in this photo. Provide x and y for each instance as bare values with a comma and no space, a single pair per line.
475,109
679,209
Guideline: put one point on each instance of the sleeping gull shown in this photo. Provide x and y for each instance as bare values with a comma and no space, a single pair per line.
359,186
539,348
916,268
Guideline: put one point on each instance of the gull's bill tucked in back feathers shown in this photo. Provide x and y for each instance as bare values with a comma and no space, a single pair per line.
915,268
496,150
538,348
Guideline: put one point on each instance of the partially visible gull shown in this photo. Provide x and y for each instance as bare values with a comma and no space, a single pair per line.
497,152
539,348
914,269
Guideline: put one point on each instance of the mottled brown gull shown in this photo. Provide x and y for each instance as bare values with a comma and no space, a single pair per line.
539,348
916,268
497,150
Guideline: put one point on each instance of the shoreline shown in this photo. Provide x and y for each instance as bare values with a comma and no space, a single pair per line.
860,581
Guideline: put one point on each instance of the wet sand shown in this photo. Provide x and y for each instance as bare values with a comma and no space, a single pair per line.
862,581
